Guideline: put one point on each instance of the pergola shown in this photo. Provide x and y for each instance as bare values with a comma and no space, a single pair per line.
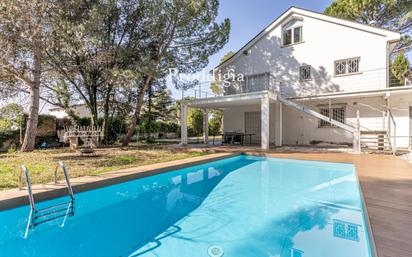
262,98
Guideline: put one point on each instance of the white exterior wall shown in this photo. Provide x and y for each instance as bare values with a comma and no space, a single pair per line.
400,109
234,119
300,128
79,110
325,40
324,43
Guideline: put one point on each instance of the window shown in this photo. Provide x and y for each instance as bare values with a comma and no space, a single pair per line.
292,36
297,35
347,66
337,114
287,37
304,72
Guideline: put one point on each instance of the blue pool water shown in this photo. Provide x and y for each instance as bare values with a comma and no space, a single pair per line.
242,206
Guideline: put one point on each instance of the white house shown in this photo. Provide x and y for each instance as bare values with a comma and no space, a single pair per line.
309,77
80,110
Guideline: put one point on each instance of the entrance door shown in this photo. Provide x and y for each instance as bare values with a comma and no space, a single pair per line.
253,126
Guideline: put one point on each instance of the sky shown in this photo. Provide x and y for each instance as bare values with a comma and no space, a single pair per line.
248,18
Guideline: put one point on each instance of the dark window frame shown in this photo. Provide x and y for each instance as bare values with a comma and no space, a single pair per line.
305,72
338,114
289,36
347,66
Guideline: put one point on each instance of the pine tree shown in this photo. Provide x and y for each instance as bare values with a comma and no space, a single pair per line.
24,34
183,36
391,14
214,86
399,70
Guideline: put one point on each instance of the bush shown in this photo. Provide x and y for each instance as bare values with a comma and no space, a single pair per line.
168,127
12,150
10,136
5,124
83,121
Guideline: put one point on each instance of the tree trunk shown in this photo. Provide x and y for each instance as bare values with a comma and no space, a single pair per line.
138,108
106,109
94,117
32,120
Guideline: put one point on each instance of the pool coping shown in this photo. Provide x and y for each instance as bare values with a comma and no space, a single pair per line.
372,174
13,198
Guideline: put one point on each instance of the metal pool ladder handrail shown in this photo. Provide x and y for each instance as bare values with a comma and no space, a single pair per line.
35,213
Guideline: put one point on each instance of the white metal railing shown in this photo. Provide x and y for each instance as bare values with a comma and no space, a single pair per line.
48,213
370,79
408,82
392,131
319,83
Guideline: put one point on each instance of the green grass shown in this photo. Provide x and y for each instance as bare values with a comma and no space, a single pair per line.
41,163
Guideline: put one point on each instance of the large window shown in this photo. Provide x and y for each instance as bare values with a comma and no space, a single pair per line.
292,36
347,66
304,72
335,113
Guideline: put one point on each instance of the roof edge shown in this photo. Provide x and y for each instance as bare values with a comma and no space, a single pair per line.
289,11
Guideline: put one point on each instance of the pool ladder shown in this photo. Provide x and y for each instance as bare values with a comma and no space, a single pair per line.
56,210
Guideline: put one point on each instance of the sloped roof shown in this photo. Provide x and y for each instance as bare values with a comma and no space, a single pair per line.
392,36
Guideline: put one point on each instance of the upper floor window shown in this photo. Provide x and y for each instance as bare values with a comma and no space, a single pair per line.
304,72
292,36
347,66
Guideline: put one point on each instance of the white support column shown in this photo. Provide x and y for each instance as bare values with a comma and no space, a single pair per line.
356,135
183,129
265,122
279,124
205,126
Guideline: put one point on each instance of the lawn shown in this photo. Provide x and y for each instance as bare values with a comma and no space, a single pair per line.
41,163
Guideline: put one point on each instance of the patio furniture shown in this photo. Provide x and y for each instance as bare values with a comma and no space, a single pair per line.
233,138
88,147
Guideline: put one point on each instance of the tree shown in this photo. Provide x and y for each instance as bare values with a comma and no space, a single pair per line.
159,101
195,120
24,30
157,106
391,14
216,122
214,86
96,54
12,112
183,36
227,56
399,69
11,115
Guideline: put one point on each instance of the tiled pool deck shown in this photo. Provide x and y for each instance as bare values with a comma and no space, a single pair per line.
386,183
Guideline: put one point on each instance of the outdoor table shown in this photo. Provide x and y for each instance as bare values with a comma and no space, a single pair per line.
230,137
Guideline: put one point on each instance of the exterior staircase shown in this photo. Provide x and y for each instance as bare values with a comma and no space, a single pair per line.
376,141
352,129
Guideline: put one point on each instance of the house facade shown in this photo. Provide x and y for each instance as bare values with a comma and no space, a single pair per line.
310,78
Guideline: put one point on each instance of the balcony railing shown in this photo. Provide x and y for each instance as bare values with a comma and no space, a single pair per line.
290,86
319,83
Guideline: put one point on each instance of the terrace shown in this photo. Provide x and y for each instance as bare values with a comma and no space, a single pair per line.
379,188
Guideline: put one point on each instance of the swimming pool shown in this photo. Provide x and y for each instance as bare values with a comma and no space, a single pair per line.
241,206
